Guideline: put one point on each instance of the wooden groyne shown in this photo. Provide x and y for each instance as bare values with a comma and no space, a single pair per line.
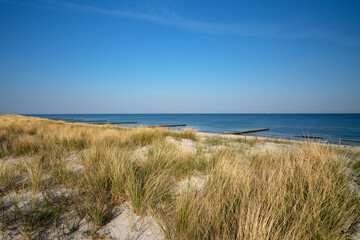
173,125
310,137
55,119
62,119
103,123
99,122
72,120
89,121
249,131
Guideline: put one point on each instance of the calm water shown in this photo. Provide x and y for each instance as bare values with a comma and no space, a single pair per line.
330,127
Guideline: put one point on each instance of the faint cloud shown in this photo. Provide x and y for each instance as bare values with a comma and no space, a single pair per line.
241,29
248,29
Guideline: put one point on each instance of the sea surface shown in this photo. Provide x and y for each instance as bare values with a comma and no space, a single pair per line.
321,127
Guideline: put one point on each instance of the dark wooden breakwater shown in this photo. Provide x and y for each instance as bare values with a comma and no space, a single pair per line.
103,123
173,125
89,121
249,131
98,122
309,137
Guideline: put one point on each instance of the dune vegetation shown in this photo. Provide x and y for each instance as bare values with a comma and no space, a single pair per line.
54,176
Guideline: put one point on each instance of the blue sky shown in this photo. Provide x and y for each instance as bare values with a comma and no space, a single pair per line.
179,56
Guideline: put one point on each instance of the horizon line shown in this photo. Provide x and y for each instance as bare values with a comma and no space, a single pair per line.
172,113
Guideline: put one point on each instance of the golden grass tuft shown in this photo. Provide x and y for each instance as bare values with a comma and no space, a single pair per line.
297,195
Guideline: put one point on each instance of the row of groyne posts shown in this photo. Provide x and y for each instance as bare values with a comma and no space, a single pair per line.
105,122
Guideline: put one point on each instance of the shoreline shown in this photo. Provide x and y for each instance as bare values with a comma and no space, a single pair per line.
272,139
298,139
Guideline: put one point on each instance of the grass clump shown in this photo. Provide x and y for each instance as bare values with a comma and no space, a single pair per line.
299,195
101,186
185,134
252,141
214,141
148,183
32,214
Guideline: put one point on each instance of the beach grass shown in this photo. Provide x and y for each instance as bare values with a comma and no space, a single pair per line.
52,172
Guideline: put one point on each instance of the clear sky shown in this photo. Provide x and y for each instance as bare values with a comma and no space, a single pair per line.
229,56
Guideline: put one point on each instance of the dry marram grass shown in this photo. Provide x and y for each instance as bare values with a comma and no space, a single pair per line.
55,175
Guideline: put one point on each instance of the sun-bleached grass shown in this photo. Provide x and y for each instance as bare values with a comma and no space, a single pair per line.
300,193
297,195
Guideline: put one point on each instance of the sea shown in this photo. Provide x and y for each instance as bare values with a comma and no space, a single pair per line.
319,127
